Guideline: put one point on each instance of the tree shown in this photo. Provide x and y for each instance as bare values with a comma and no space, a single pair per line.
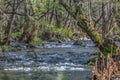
101,42
105,45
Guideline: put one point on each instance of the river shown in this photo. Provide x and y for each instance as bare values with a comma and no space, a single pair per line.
53,61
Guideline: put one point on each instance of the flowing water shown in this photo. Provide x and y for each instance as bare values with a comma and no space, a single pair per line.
53,61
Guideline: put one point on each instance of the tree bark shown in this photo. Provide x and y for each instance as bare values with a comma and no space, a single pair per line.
9,25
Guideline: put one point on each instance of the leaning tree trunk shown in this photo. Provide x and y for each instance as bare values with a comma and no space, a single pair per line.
105,45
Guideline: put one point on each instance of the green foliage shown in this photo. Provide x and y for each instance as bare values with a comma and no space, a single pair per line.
6,48
9,48
39,6
68,32
64,32
110,50
91,61
38,41
15,34
55,32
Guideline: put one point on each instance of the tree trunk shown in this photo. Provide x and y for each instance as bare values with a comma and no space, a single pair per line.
30,29
102,43
9,29
9,24
27,28
105,45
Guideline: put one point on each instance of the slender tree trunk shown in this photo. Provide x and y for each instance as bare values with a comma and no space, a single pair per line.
27,28
9,24
9,29
30,29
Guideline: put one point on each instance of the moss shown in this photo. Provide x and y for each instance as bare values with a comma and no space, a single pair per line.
9,48
98,37
91,61
15,34
83,17
38,41
89,29
68,32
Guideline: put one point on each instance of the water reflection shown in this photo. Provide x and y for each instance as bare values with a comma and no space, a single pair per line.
39,75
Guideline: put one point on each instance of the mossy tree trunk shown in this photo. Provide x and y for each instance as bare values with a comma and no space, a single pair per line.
105,45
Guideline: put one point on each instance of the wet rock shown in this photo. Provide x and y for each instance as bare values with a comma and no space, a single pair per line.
91,61
77,42
116,38
14,44
2,58
34,46
95,53
60,41
89,43
31,46
17,44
